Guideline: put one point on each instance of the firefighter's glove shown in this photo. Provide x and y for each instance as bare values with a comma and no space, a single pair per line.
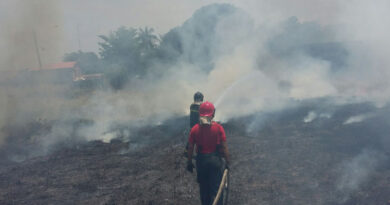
227,165
190,167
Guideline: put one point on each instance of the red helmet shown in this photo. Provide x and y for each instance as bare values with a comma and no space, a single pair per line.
206,109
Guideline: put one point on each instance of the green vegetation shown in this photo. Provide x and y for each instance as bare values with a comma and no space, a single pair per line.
125,54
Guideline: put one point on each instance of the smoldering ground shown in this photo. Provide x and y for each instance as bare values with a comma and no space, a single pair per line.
244,67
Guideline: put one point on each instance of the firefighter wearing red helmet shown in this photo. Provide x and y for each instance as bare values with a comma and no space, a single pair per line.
210,140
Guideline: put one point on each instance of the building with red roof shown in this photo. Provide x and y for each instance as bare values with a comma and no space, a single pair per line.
64,72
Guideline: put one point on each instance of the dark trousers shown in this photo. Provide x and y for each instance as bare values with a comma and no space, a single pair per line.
209,175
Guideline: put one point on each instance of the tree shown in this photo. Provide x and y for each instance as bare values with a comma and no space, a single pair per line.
127,53
120,47
147,40
148,44
119,52
88,62
212,31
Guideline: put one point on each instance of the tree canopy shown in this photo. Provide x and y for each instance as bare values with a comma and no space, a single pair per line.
126,52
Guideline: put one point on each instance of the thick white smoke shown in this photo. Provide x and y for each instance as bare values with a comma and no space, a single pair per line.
360,28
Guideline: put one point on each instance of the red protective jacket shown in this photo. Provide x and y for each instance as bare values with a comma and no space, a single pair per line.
207,137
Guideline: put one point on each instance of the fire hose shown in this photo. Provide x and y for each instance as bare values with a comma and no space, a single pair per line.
223,189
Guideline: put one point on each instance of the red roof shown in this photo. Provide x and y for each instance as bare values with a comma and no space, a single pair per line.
62,65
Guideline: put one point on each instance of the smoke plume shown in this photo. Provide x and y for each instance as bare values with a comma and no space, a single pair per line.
27,22
357,171
31,32
357,118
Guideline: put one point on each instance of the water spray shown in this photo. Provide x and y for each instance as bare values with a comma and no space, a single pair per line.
241,80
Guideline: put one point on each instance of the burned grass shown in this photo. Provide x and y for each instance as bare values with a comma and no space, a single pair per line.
285,161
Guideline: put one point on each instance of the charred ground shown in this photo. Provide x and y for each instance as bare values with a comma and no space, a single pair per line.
277,158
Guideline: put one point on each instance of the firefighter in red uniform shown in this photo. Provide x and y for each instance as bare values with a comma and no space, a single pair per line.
210,140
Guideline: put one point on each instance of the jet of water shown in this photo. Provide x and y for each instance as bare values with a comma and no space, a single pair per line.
234,85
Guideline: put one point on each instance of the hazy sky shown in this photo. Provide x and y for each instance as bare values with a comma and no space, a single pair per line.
93,17
86,19
74,24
